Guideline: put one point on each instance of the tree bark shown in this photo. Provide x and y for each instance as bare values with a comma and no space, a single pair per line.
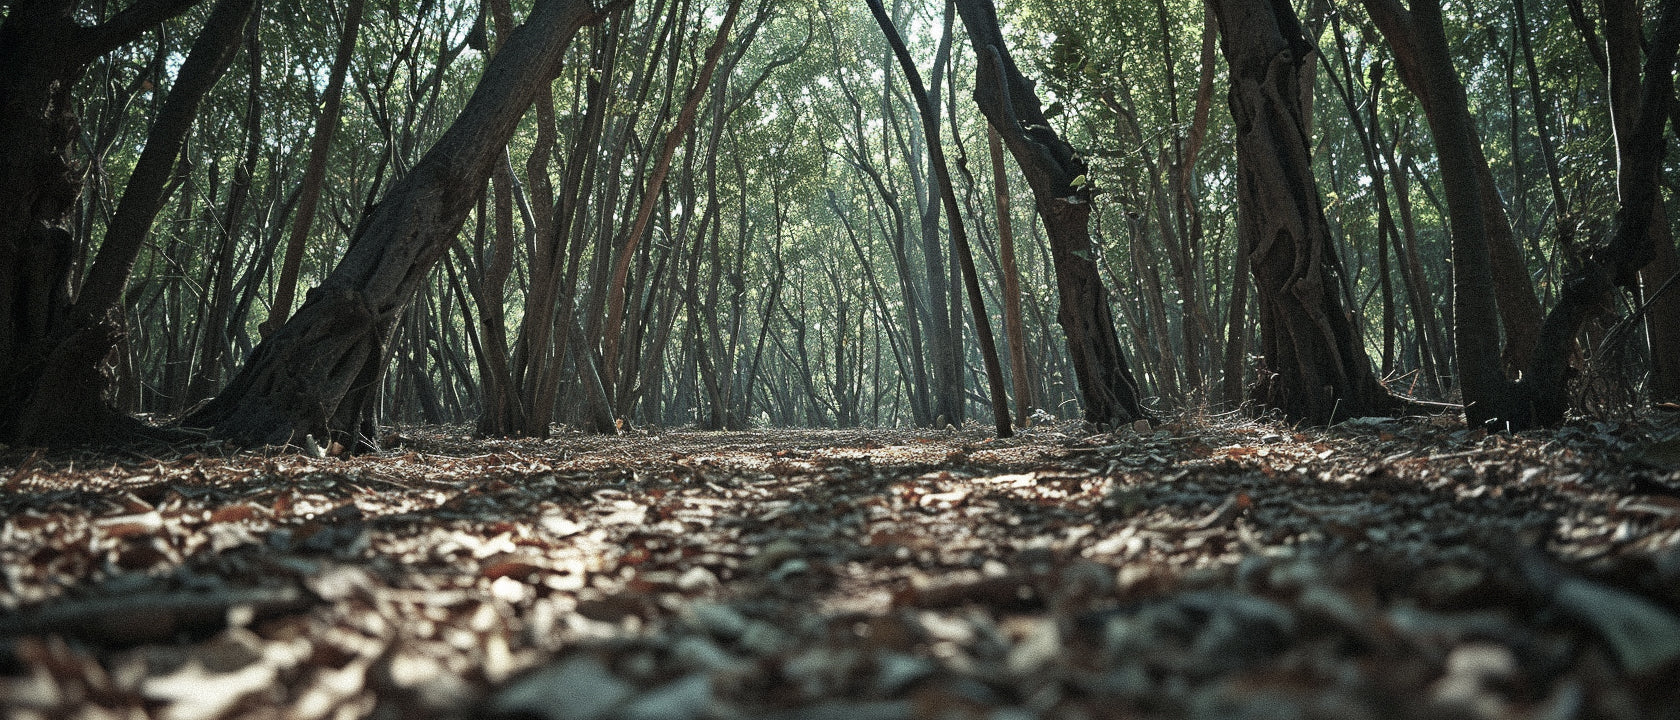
56,394
1051,166
1315,369
318,374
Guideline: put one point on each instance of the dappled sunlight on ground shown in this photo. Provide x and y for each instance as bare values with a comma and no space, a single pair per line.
1205,567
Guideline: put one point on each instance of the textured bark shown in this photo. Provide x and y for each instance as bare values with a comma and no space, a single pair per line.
319,372
1314,366
1008,101
43,55
54,385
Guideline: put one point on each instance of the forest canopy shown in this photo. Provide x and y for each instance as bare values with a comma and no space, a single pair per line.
291,221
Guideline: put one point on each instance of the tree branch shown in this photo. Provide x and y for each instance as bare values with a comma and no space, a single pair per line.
127,25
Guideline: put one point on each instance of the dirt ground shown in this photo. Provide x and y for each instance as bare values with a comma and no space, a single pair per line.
1210,568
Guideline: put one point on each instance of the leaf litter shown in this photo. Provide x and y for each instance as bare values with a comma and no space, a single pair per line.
1205,568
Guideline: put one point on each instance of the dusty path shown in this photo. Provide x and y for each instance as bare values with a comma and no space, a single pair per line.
1378,569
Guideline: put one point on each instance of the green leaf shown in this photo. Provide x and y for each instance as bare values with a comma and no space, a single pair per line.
1078,182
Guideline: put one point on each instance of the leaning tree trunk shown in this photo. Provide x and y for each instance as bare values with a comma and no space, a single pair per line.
959,238
54,384
1315,368
320,372
1007,99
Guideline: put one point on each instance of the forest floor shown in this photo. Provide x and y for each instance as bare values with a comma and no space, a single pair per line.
1215,567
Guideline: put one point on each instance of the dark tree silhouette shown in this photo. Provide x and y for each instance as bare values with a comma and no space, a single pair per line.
53,381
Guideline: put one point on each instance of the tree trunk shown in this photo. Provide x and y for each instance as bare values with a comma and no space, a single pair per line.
1012,325
1315,368
942,176
944,318
318,374
1542,396
316,170
1236,331
613,330
1662,322
216,331
1008,101
55,389
1418,41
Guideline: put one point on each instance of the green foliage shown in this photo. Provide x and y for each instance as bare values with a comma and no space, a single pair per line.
826,138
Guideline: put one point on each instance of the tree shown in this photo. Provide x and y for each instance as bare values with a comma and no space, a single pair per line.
319,373
942,174
1062,194
1314,366
1540,397
1420,45
54,383
1623,37
1013,326
326,124
1417,38
614,328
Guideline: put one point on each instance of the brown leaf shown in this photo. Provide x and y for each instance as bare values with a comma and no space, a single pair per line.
233,513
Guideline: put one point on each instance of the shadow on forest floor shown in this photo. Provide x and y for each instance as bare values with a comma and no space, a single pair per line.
1210,568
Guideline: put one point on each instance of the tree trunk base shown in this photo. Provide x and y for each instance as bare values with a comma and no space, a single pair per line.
318,375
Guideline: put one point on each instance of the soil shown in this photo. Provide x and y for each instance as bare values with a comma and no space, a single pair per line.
1209,567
